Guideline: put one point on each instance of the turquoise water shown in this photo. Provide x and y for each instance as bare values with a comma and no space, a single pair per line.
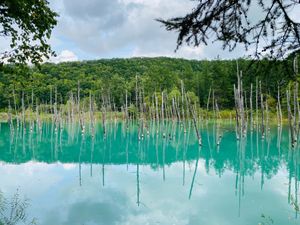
70,178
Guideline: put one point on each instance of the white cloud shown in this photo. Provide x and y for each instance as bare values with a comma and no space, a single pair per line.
185,52
64,56
126,28
121,28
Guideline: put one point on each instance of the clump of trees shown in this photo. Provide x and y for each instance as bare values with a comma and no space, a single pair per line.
117,77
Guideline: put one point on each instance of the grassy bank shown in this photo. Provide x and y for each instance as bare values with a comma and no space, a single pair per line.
223,116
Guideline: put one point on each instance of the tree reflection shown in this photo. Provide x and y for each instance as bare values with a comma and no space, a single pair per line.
14,210
120,146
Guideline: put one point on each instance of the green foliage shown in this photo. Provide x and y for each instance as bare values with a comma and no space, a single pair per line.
271,102
28,25
175,93
192,97
112,77
132,110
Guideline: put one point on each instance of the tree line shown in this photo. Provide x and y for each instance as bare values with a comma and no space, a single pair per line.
115,77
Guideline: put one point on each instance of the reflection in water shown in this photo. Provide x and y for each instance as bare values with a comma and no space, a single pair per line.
234,163
194,175
13,210
138,176
241,170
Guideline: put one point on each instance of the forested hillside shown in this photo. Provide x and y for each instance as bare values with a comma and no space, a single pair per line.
114,76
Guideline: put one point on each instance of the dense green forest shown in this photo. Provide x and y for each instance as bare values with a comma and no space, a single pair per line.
115,76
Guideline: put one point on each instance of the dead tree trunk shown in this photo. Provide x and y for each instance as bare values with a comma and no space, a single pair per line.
290,118
262,111
251,108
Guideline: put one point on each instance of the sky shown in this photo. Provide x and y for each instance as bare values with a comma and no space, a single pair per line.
121,29
95,29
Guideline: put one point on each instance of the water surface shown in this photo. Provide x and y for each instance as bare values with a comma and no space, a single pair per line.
116,178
